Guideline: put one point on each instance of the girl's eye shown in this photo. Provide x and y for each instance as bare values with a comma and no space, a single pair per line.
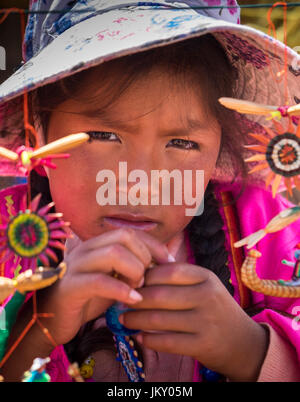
183,144
102,136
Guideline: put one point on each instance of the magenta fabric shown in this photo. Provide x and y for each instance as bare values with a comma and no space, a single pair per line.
58,366
255,208
10,202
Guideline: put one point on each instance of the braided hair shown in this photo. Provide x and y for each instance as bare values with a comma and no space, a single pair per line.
207,239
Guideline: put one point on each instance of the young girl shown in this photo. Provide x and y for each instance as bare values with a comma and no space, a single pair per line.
158,109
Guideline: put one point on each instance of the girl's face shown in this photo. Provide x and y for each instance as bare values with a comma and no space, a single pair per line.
154,125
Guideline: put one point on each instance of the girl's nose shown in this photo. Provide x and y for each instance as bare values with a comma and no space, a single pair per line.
144,157
137,172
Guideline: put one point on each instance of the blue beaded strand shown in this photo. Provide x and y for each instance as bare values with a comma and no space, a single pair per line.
209,375
129,360
125,346
113,323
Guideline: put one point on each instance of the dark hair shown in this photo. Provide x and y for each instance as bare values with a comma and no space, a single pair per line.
202,60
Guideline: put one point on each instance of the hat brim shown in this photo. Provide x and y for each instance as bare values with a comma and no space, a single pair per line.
125,31
120,32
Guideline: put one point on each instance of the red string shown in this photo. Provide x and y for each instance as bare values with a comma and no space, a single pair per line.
278,77
7,11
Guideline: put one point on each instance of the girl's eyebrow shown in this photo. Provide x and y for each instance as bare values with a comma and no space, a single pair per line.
191,125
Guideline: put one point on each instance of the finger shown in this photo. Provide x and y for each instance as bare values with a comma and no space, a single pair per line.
114,257
158,250
136,284
176,274
170,297
159,320
88,286
169,342
125,236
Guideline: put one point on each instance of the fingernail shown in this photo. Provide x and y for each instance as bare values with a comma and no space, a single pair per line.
135,296
171,258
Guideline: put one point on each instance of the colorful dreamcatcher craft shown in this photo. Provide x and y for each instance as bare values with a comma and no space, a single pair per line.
278,149
27,158
279,222
269,287
278,288
29,234
29,281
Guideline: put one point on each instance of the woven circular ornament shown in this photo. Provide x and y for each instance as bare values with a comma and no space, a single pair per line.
28,234
283,155
278,151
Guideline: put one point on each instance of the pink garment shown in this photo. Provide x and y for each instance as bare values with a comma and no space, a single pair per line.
281,363
255,208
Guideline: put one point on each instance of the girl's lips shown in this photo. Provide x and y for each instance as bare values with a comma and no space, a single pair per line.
135,224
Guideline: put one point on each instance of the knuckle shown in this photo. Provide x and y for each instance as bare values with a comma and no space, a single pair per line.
212,290
127,234
148,258
141,271
115,250
205,274
138,274
213,283
210,275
